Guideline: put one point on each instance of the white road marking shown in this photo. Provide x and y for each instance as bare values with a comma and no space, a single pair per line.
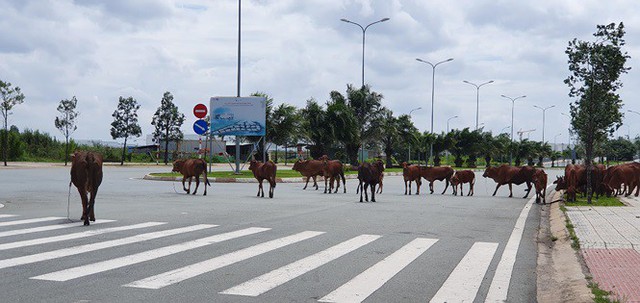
500,284
89,269
184,273
366,283
27,221
46,228
463,283
97,246
5,215
78,235
275,278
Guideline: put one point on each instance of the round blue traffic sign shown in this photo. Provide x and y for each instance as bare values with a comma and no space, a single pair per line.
200,127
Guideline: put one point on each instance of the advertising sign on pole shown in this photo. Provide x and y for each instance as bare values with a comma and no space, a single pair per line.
238,116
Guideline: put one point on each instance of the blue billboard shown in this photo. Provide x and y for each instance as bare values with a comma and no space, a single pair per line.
238,116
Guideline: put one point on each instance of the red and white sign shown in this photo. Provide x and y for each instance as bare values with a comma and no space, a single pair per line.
200,111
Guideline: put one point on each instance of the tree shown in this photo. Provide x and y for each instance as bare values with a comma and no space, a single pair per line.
10,98
342,125
365,104
388,126
594,80
66,123
270,131
167,121
317,131
286,123
125,122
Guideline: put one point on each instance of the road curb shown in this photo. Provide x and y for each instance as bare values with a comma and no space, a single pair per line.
252,180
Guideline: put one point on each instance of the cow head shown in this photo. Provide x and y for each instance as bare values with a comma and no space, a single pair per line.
455,180
560,183
298,165
404,164
490,172
253,164
177,165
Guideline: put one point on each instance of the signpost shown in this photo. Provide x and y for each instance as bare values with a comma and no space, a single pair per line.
200,111
200,126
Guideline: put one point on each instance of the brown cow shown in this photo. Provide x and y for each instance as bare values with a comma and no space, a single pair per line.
440,173
309,169
540,183
332,170
263,171
190,168
411,173
379,191
369,175
86,175
624,174
461,177
506,174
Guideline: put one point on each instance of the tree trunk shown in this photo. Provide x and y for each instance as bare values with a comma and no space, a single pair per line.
166,147
124,148
487,160
436,160
5,138
285,154
66,149
588,159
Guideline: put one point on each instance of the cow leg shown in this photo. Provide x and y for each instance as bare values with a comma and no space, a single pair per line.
446,185
184,178
373,192
325,184
418,184
495,191
315,183
92,201
528,189
83,196
259,187
431,186
197,184
337,183
471,189
510,190
344,183
305,185
360,189
272,186
206,182
405,186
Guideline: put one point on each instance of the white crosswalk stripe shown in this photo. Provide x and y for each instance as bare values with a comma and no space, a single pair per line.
78,235
464,282
462,285
46,228
28,221
363,285
81,271
97,246
184,273
266,282
7,216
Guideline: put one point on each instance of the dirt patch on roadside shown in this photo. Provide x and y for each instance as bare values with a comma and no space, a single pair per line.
561,270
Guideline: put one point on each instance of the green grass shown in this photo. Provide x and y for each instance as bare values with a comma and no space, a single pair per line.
600,296
602,201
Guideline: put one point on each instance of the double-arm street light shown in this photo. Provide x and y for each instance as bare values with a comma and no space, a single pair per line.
543,115
364,31
513,102
433,80
477,97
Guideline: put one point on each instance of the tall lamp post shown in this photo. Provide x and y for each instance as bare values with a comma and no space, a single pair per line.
477,97
573,151
433,80
411,111
543,115
513,102
555,140
456,116
364,31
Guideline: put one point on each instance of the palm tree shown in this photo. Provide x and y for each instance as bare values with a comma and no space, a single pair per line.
389,133
544,150
342,123
316,130
286,123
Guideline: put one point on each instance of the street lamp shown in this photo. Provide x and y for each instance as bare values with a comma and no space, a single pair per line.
513,101
448,122
477,97
502,130
433,80
554,140
364,30
411,111
543,114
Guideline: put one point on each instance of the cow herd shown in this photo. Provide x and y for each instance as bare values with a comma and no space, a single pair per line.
613,180
86,175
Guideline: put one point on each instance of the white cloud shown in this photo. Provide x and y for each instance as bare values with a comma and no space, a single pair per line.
295,50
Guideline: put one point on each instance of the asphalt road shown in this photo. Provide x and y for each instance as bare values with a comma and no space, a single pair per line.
305,246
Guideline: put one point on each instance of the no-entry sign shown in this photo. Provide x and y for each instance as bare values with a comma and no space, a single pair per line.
200,111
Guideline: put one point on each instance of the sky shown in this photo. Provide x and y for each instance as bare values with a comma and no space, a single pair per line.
295,50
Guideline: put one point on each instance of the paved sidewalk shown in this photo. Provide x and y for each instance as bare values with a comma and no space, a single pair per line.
610,244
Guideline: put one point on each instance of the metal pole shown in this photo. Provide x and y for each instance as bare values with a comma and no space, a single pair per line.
544,110
513,102
238,94
477,97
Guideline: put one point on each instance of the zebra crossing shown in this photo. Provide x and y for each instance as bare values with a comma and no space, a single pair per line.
462,284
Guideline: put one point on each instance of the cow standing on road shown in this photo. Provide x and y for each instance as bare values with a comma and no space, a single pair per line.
369,175
332,170
461,177
439,173
506,174
86,175
262,171
411,173
540,183
309,169
190,168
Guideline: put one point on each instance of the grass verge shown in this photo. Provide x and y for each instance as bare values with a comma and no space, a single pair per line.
600,295
602,201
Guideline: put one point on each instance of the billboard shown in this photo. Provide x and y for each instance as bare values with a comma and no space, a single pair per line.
238,116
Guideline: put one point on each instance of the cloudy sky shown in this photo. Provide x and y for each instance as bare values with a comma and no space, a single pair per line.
294,50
